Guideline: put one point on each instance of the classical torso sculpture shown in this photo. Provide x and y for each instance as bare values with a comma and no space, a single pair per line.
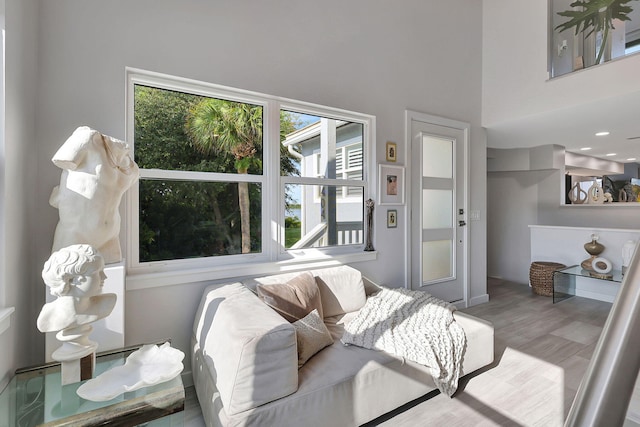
96,171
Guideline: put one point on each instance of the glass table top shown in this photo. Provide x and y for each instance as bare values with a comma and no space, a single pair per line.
576,270
36,397
564,280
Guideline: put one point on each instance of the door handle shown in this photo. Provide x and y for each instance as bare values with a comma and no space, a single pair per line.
461,223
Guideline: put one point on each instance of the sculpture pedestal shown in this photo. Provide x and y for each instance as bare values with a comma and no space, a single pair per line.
77,355
77,370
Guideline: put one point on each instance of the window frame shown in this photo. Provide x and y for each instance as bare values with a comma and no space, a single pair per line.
273,257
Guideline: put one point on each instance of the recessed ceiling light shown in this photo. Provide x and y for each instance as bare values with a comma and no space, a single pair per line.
605,133
585,148
610,154
631,159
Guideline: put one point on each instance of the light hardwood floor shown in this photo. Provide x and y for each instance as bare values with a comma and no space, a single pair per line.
541,353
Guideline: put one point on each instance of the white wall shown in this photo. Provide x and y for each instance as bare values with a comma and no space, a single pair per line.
21,344
374,57
515,79
512,199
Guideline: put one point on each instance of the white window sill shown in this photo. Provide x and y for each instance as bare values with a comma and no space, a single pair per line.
177,277
5,318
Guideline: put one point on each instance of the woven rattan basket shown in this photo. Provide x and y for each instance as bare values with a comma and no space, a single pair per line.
541,276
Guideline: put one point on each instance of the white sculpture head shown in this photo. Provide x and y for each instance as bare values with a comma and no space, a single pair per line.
76,270
96,171
75,275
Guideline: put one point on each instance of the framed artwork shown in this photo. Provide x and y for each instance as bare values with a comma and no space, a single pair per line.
391,185
392,151
392,218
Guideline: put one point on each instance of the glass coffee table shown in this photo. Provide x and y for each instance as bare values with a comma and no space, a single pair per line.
35,397
564,281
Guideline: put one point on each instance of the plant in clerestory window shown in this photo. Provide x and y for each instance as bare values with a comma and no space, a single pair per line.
596,16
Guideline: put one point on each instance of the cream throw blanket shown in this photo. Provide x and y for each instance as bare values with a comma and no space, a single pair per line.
413,325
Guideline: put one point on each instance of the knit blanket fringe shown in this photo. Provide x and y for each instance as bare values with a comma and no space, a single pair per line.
412,325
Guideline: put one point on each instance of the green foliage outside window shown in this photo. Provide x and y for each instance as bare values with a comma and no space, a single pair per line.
190,219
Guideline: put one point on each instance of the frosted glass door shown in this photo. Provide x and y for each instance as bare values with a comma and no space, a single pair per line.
438,211
438,231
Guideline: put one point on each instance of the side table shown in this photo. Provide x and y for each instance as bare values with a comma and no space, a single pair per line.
564,281
35,397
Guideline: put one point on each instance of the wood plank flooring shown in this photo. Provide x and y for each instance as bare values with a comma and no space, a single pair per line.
541,353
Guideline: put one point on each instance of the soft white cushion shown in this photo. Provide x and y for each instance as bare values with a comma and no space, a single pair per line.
341,386
312,336
479,334
250,349
341,290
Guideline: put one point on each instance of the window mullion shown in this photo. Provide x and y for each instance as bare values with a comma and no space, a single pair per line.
272,199
323,181
179,175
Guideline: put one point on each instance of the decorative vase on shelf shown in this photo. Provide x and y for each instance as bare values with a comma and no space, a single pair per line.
595,194
577,195
594,249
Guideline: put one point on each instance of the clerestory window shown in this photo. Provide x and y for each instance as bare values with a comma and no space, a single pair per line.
230,177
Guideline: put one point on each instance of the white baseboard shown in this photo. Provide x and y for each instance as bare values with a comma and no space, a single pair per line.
632,420
479,300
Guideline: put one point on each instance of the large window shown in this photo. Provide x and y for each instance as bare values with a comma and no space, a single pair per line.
230,177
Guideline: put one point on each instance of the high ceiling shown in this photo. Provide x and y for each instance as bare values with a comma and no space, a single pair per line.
575,128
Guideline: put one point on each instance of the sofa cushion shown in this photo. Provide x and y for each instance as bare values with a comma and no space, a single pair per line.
250,349
480,339
342,386
312,336
294,299
341,289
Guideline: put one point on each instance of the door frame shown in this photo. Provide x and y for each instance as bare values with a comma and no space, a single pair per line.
411,116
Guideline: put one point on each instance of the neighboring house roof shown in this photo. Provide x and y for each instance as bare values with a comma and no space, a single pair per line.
306,133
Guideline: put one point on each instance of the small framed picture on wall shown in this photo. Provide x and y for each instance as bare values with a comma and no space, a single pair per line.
392,151
392,218
391,185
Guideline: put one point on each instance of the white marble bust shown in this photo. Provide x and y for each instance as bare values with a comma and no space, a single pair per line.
74,275
96,171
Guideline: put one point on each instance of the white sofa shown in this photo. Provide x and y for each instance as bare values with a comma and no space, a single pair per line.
245,370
